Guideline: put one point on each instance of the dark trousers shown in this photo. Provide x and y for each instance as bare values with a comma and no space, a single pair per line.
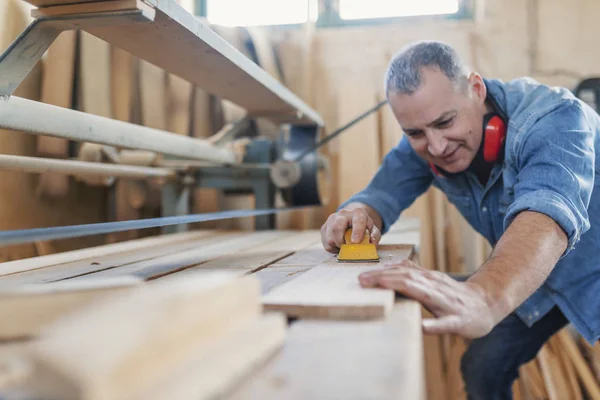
491,363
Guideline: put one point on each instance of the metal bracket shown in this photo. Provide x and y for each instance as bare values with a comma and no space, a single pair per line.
26,51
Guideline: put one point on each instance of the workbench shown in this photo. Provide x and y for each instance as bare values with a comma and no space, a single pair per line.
378,358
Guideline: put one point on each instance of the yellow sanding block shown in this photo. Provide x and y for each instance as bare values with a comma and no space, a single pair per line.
357,252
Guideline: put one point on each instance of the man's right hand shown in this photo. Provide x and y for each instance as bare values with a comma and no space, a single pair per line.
359,217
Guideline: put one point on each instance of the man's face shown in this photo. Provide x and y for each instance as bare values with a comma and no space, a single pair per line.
443,122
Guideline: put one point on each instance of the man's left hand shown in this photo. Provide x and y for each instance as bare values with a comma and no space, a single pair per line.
460,308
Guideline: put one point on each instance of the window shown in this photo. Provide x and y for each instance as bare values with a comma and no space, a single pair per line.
260,12
366,9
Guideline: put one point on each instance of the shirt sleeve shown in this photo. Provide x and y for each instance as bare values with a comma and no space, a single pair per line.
555,165
402,177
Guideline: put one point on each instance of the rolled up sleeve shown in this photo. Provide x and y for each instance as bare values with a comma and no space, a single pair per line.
401,178
556,171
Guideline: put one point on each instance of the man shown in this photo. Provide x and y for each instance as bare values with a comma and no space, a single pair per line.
532,192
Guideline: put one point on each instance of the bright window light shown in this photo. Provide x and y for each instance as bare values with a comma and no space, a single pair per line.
360,9
260,12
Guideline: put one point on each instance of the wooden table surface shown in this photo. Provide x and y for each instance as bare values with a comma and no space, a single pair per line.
380,358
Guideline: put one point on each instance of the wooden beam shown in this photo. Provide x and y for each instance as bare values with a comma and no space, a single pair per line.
331,290
120,347
14,267
30,308
184,259
266,253
200,56
16,114
107,261
81,168
346,360
215,371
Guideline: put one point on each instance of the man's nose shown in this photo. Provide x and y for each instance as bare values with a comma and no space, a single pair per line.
436,144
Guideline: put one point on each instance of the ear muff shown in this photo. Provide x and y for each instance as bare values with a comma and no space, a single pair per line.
494,133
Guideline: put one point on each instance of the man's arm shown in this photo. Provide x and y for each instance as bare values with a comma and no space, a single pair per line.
520,263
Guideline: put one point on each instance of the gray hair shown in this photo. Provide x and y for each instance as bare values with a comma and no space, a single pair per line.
403,74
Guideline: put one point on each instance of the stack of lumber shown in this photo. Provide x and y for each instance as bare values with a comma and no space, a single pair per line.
179,316
179,337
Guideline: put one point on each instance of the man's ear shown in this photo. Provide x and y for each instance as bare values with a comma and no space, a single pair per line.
477,86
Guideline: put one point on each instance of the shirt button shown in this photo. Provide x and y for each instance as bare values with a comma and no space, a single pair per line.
484,209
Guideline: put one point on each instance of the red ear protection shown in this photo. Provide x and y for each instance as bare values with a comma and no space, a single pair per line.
494,133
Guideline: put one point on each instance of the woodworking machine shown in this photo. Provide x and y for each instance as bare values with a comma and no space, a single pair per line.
262,165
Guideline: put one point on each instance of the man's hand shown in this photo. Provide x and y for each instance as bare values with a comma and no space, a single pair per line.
460,308
359,217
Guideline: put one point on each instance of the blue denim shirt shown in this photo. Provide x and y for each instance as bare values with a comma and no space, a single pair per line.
551,166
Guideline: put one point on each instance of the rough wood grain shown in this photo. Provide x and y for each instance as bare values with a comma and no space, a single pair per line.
30,308
13,267
268,252
346,360
214,371
107,262
176,262
98,352
331,290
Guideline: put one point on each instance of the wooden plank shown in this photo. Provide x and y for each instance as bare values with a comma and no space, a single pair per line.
274,276
122,346
179,94
308,257
90,265
90,7
57,89
200,56
49,3
215,371
359,142
332,290
32,307
346,360
256,257
590,385
175,262
13,267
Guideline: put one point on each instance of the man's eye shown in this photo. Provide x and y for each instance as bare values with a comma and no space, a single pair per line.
414,133
445,123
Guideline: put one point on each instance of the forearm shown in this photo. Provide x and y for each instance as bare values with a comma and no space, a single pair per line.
370,210
522,260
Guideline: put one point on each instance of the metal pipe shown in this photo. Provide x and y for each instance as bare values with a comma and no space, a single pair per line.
78,168
43,119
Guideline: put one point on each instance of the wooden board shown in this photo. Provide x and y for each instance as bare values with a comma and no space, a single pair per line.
284,244
200,56
13,267
346,360
331,290
214,372
197,255
111,261
30,308
120,347
358,146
